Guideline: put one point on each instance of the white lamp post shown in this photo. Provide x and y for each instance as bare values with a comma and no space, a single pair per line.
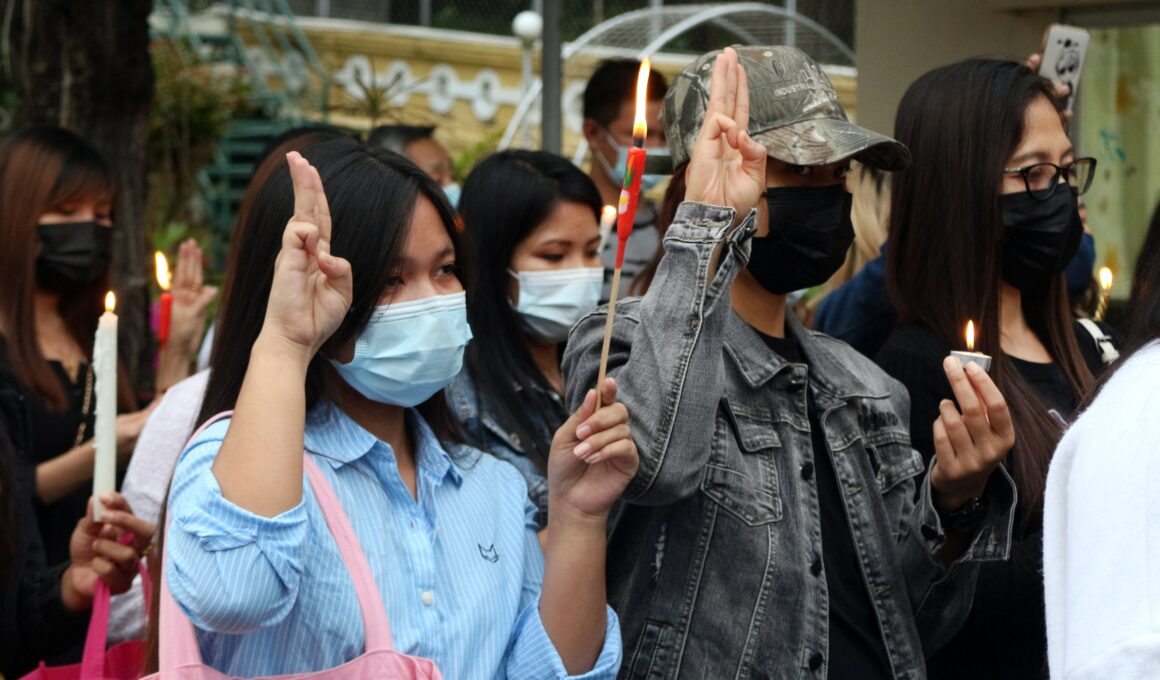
527,26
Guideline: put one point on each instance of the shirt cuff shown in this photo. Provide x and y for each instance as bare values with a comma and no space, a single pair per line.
991,542
702,222
533,656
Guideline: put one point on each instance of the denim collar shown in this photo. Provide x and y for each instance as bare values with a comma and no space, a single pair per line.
332,434
758,364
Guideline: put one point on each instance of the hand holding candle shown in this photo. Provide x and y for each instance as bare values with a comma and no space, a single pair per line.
626,212
970,356
105,391
1106,281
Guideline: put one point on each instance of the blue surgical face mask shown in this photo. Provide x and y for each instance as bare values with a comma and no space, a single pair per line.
615,171
452,191
408,351
552,301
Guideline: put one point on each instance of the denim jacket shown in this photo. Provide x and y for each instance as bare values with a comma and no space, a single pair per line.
710,553
485,433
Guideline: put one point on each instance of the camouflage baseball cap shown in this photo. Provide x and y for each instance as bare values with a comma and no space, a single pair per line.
793,112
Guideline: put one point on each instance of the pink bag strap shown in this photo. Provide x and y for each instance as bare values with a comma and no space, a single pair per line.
93,661
370,600
178,642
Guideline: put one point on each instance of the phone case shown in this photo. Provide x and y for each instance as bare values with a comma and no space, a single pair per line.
1063,56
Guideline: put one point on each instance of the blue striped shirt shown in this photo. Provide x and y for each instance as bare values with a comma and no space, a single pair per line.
460,569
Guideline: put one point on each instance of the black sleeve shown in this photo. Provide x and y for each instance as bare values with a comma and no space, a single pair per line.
34,623
914,356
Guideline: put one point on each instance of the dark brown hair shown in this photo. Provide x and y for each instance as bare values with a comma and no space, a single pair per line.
962,122
41,170
666,213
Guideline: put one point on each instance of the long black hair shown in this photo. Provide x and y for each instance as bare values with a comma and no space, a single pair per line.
504,199
961,123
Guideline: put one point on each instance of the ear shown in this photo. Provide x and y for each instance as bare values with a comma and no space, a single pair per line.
591,130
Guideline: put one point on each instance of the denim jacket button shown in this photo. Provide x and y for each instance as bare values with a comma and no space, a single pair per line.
807,471
816,661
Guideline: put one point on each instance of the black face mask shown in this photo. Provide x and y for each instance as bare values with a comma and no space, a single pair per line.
72,254
1040,237
809,234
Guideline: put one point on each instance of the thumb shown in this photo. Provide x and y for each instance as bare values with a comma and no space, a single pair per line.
206,296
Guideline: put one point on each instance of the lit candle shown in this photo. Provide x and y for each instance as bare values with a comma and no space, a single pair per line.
607,219
1106,280
971,356
105,391
626,211
163,280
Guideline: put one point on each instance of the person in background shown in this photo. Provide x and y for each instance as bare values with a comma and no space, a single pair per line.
418,144
1101,506
780,524
43,605
532,219
169,426
609,110
982,231
56,224
364,326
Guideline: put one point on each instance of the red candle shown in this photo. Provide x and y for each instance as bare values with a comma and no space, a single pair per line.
163,280
634,168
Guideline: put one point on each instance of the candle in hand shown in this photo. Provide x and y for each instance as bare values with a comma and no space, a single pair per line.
626,213
105,391
970,356
163,280
1106,280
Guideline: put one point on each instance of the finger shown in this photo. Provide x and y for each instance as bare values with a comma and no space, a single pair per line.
337,269
1034,61
321,206
205,297
944,451
621,453
115,552
599,440
957,431
969,403
582,414
141,529
606,418
300,235
304,200
114,501
717,88
741,112
608,391
197,262
729,100
998,414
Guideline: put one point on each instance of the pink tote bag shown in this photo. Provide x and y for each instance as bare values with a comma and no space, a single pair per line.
180,656
121,662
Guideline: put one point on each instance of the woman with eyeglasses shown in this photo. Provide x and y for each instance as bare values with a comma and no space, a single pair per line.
983,223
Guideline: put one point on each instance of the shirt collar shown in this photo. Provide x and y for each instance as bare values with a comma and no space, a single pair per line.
332,434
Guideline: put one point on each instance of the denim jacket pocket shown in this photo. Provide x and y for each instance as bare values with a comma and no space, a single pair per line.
655,653
894,459
740,477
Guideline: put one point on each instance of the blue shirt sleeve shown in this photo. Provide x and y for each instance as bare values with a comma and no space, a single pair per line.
231,571
531,654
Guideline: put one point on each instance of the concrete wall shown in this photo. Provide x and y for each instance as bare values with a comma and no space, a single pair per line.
899,40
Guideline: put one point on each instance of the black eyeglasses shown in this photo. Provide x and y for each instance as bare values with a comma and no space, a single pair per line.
1042,179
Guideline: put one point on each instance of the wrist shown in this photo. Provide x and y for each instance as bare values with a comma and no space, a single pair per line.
576,524
271,345
72,600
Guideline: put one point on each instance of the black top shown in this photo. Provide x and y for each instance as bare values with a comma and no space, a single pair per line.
34,624
1004,636
856,648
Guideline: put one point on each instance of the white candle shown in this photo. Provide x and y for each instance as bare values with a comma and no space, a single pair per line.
105,437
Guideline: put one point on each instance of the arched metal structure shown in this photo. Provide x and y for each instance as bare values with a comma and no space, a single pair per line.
643,33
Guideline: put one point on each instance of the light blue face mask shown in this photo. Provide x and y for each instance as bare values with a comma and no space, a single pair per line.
552,301
616,171
408,351
452,191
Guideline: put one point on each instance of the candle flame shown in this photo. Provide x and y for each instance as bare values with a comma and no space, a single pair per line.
1106,278
639,126
608,214
162,266
970,336
110,302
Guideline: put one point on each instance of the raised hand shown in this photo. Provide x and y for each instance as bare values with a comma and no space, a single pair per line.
312,289
969,445
593,457
190,300
726,167
1062,90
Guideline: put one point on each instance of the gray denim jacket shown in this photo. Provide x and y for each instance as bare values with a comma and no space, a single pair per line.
709,559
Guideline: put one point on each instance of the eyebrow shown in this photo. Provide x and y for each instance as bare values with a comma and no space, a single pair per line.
1039,156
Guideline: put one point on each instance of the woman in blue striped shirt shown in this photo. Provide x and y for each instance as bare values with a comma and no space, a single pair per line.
361,332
